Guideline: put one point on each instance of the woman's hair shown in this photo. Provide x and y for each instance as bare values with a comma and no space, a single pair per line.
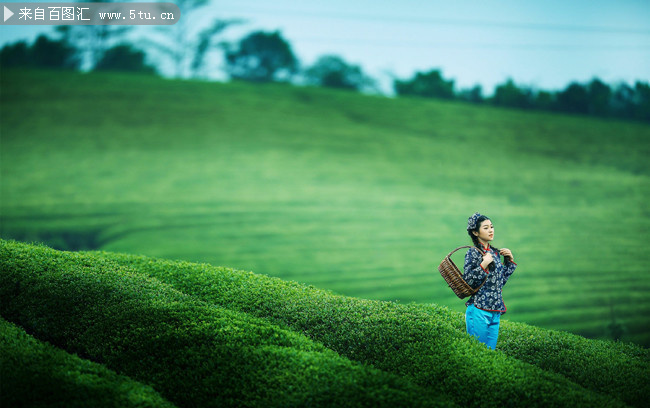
470,232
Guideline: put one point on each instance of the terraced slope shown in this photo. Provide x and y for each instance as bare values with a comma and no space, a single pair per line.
202,335
37,374
356,194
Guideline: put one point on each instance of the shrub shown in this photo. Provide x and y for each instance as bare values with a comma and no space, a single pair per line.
426,343
35,373
615,368
192,352
215,307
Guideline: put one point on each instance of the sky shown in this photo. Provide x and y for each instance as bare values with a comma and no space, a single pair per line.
539,44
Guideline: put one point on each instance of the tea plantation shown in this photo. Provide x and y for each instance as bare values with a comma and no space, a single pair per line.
125,330
34,373
358,194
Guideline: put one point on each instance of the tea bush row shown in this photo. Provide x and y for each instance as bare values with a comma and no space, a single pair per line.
193,353
615,368
425,343
34,373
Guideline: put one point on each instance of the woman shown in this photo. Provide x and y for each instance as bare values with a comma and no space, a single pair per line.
483,268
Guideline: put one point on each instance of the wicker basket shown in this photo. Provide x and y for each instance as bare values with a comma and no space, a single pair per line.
454,277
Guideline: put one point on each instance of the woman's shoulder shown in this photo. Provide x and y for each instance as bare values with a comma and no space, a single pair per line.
472,252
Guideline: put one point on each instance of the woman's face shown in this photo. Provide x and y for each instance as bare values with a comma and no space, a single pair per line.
485,231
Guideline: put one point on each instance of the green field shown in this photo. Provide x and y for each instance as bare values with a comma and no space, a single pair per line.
357,194
197,335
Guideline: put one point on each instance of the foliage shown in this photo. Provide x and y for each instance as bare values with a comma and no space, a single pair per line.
642,107
238,338
599,94
194,353
124,57
178,45
187,50
332,71
614,368
261,57
594,98
267,57
206,42
509,94
420,341
574,99
473,95
90,42
43,53
36,374
15,55
426,84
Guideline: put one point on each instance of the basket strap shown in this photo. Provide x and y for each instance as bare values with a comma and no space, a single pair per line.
466,246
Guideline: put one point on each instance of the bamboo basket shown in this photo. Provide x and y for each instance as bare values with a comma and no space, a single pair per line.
454,278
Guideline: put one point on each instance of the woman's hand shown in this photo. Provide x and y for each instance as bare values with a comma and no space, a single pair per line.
487,260
506,253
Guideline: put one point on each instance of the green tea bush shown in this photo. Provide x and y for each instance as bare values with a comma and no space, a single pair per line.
192,352
619,369
426,343
37,374
614,368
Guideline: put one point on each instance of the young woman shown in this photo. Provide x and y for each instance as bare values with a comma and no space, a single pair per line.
483,266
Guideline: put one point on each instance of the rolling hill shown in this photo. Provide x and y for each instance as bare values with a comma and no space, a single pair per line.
197,335
361,195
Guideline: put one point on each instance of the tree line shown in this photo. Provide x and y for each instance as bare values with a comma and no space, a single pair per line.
268,57
594,98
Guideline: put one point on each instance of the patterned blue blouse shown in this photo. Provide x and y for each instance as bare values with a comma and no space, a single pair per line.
489,297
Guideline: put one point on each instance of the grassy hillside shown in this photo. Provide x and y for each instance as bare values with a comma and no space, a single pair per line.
361,195
36,374
209,336
193,352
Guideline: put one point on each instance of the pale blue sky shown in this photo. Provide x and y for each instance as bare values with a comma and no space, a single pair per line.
544,44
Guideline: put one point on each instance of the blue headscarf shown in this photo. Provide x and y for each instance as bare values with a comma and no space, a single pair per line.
471,221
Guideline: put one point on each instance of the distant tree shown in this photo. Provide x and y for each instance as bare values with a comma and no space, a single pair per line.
91,41
206,41
124,57
182,45
474,95
429,84
574,99
544,100
43,53
599,96
333,72
623,101
642,109
509,94
261,57
53,54
16,55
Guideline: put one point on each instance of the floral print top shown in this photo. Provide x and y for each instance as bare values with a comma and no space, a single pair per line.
489,297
